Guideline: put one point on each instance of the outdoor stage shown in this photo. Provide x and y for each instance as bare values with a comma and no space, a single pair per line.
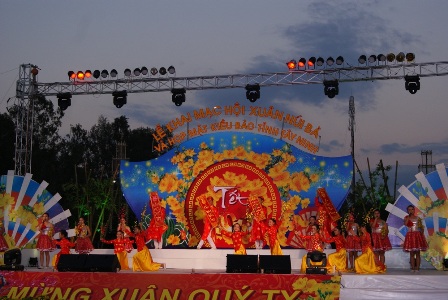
201,274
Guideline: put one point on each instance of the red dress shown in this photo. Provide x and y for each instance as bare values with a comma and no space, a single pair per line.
83,242
380,238
353,242
237,239
414,239
44,241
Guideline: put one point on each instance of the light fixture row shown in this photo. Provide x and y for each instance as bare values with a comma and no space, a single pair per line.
389,58
137,72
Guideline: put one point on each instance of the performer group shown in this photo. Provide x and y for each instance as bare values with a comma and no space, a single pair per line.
359,247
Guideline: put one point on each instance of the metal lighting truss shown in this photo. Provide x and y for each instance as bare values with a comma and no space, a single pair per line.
140,84
28,89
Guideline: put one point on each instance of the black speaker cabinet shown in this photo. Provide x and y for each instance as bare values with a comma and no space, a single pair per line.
12,257
88,263
12,267
242,263
275,264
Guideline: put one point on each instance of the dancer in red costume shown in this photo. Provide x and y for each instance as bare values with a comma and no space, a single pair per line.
210,222
122,246
257,231
414,241
123,227
337,261
83,242
366,262
353,243
45,241
237,238
157,225
3,244
380,238
314,244
142,260
272,231
64,244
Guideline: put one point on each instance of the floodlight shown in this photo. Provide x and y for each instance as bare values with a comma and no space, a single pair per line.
171,70
410,57
400,57
144,71
362,59
412,83
71,75
113,73
292,64
301,63
162,71
330,61
96,74
372,59
381,57
88,74
390,57
320,61
154,71
80,75
64,100
127,72
311,62
104,73
178,96
137,72
253,92
339,60
331,88
120,98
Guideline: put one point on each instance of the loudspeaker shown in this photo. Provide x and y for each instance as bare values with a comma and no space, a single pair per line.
242,263
12,267
12,257
88,263
275,264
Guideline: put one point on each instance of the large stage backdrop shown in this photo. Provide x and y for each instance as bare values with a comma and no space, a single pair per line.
230,169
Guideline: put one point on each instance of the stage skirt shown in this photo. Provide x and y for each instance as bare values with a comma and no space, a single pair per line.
44,243
83,245
353,244
338,260
381,243
142,261
3,244
365,263
123,260
276,249
415,241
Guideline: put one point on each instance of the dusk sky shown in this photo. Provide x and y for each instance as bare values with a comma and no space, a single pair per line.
241,37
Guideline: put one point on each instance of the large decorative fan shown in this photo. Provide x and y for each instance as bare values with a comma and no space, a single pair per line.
22,203
429,194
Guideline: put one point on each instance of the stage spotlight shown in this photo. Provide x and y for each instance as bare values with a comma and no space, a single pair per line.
331,88
113,73
137,72
301,63
178,96
410,57
64,100
171,70
162,71
400,57
372,59
80,75
381,57
412,83
104,73
362,59
96,74
71,75
311,62
127,72
339,60
120,98
144,71
88,73
154,71
316,263
292,64
320,62
330,61
253,92
13,257
390,57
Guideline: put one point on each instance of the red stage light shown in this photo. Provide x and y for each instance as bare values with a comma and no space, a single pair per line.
292,64
80,75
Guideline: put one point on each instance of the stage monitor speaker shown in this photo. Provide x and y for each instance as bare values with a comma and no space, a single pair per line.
242,263
275,264
72,263
12,257
102,263
88,263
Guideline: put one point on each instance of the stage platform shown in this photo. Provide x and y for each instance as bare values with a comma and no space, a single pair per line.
201,274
